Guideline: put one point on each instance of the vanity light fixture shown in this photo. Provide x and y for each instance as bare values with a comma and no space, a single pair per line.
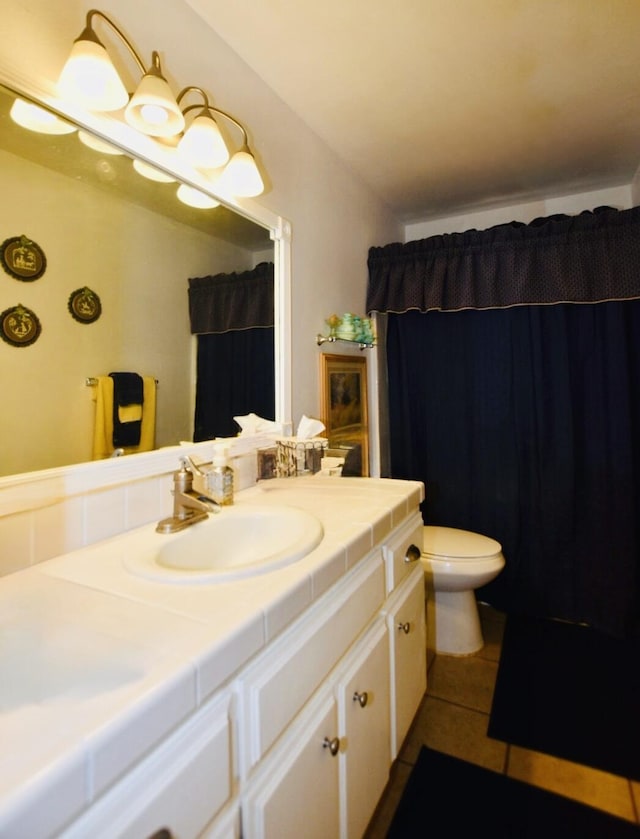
202,143
89,79
195,198
152,172
152,109
97,144
34,118
204,147
241,176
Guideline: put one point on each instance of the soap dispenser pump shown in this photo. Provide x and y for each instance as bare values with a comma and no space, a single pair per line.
220,476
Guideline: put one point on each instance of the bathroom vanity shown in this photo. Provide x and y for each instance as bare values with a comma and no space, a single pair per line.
271,704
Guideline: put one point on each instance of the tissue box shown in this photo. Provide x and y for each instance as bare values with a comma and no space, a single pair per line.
300,456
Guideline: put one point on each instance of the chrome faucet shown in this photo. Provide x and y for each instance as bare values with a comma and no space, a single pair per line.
189,507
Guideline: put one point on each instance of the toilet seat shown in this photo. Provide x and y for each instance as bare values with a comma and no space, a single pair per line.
452,544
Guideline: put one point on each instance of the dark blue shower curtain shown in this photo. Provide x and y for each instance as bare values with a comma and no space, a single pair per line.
524,425
235,377
233,317
523,421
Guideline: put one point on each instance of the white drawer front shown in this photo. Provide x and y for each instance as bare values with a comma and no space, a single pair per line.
179,787
399,559
276,689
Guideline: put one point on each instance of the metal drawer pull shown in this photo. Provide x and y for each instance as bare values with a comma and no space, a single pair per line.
332,744
361,698
405,627
413,554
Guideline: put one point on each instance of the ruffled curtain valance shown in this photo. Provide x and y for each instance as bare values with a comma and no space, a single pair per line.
589,258
228,302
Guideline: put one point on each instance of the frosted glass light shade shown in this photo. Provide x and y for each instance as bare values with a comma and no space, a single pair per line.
202,144
153,109
241,177
89,79
34,118
97,144
150,172
195,198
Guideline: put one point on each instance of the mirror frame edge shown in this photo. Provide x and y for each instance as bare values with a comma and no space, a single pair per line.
119,469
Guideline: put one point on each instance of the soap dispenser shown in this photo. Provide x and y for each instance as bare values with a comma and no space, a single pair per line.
220,477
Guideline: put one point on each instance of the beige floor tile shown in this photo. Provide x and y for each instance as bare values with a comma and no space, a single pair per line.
590,786
457,731
385,810
488,613
492,632
454,717
467,681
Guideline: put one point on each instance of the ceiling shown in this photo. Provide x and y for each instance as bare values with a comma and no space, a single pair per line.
444,107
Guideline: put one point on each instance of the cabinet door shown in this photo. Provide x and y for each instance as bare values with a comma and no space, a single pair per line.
364,714
408,640
297,792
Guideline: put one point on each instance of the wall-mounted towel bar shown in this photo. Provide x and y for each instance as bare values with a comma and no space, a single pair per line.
91,381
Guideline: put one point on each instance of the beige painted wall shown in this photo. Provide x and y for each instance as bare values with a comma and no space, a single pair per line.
138,262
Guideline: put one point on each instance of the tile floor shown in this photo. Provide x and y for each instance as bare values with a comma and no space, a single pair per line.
453,718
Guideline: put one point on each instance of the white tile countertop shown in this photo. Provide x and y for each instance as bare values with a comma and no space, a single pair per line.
99,665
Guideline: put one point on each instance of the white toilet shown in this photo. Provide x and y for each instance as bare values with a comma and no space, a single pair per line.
455,563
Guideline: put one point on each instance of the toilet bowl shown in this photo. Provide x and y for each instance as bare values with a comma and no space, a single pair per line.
456,562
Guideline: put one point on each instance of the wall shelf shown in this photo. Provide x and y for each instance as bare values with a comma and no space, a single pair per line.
332,339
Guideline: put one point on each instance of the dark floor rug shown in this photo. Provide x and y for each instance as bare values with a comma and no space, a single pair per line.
571,692
447,797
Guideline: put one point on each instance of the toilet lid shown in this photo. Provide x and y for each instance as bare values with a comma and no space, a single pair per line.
457,544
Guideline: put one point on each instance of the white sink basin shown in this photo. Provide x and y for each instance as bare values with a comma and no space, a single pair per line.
237,542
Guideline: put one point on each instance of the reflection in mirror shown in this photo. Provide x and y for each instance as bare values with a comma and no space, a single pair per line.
100,225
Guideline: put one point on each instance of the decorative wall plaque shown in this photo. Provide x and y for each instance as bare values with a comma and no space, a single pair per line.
22,258
19,326
85,305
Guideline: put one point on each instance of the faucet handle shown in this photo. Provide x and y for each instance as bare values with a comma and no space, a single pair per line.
183,478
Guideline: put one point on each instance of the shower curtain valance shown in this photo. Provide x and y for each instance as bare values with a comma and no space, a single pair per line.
229,302
589,258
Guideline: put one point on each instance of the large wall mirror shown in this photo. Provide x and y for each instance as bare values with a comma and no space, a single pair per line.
100,225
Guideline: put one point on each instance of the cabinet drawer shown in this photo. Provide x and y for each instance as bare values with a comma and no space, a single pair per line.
275,689
179,787
399,561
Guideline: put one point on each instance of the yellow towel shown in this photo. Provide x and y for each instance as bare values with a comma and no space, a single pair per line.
130,413
103,426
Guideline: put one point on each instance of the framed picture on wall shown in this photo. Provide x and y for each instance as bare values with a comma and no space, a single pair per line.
344,408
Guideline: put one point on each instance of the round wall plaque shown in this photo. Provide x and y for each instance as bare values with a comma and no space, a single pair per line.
84,305
22,258
19,326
